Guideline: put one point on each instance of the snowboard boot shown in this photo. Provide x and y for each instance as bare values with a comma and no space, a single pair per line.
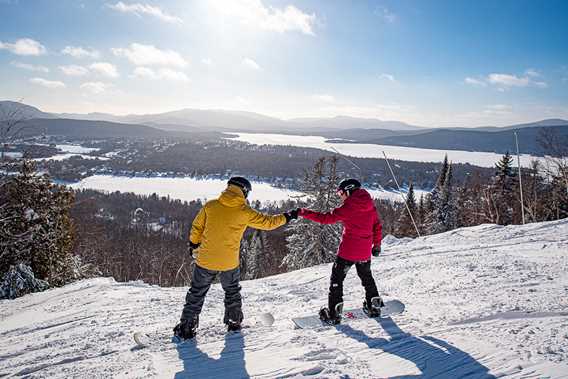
329,317
233,319
373,308
186,329
233,326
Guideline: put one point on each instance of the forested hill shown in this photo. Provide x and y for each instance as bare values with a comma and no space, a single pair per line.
95,129
463,139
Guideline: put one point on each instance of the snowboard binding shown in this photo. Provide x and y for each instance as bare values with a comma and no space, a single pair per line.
233,319
373,309
331,318
187,329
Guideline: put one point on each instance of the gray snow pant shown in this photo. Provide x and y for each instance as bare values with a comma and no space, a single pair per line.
201,282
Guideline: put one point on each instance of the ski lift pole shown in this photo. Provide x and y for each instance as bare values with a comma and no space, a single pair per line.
400,192
520,178
350,161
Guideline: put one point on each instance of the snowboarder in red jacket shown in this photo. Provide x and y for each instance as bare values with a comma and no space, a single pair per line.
361,237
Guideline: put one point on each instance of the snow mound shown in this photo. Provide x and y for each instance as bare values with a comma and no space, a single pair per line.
487,301
390,240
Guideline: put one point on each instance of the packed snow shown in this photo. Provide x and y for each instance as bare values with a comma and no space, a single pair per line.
189,189
486,301
361,150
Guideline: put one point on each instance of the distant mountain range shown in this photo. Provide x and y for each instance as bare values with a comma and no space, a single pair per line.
353,129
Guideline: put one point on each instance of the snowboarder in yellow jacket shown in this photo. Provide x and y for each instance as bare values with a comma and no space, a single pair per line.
216,237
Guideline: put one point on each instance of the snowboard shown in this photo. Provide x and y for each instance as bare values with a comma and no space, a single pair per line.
391,308
143,339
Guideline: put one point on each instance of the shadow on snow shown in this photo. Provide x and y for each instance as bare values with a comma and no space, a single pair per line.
432,356
230,364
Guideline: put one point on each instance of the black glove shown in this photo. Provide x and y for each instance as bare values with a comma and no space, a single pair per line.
291,215
191,247
376,251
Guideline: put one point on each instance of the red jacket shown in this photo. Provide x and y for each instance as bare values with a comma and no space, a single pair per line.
362,227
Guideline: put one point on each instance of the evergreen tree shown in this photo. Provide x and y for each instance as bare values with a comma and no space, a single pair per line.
404,224
310,243
444,214
422,214
505,166
35,226
504,190
253,249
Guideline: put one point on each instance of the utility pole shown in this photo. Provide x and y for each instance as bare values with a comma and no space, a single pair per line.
520,178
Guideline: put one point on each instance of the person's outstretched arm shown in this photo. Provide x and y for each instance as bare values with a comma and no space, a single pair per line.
263,221
337,214
197,227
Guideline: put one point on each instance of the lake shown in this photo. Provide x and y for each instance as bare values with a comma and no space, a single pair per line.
188,189
482,159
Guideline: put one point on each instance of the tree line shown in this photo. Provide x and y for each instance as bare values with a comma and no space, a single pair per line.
64,235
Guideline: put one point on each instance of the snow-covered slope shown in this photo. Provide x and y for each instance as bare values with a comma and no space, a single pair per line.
480,302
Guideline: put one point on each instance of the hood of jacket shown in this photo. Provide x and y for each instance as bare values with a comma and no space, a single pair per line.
232,197
360,200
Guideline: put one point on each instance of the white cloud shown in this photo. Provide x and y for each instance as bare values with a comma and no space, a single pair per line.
506,81
164,73
140,9
498,110
30,67
74,70
148,55
254,13
323,97
105,69
475,82
241,101
533,73
250,63
80,52
386,14
207,61
388,77
95,87
47,83
24,46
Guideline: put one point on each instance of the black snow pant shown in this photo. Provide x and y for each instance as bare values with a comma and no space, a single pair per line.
201,282
338,273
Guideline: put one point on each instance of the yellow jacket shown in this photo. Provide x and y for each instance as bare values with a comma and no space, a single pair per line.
219,227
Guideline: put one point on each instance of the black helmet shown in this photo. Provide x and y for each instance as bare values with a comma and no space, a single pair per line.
349,185
242,183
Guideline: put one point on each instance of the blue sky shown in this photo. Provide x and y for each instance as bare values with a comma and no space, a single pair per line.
432,63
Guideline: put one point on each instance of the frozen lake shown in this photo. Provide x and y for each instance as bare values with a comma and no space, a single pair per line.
189,189
69,151
481,159
186,189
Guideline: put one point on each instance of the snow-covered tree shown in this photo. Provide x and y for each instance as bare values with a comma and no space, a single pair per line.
35,228
310,243
253,250
503,190
404,225
444,207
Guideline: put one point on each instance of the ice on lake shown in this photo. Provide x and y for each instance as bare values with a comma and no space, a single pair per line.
188,189
359,150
